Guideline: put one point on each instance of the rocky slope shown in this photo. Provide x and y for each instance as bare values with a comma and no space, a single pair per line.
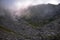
42,24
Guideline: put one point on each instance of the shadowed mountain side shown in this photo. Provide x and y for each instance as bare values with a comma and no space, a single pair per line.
42,14
42,23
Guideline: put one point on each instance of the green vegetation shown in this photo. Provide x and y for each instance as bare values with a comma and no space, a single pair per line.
14,33
5,29
40,22
36,24
9,31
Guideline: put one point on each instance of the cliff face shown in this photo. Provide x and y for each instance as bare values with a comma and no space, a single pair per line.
41,22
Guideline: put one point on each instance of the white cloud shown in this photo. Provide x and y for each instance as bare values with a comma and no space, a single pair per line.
18,3
35,2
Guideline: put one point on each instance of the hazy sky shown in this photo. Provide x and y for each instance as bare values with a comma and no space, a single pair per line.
19,3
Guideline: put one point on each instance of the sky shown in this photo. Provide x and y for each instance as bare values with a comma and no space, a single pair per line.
24,3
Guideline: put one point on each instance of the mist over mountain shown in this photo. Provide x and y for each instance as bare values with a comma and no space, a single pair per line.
39,22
